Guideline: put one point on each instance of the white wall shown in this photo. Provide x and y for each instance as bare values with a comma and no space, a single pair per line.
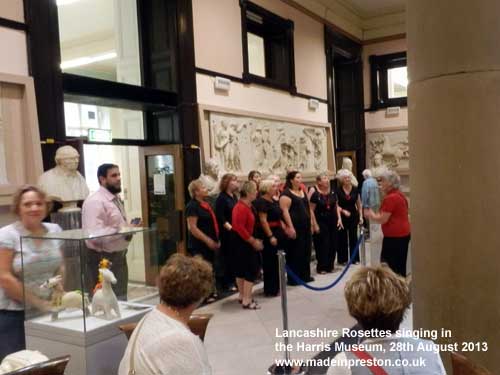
218,47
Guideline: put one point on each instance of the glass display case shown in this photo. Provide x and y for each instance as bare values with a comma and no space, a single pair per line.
79,287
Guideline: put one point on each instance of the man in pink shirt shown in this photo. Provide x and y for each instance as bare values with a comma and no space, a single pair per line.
103,214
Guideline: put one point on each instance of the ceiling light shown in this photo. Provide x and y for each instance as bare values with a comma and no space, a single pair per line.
66,2
81,61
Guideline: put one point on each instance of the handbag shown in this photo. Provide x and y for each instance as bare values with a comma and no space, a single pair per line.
131,370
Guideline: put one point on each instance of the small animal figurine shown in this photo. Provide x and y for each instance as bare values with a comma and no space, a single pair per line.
104,299
62,300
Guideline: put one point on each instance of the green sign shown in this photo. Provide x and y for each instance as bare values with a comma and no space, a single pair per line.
100,135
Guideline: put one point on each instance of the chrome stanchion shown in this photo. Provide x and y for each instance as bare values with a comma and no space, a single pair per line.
362,249
275,370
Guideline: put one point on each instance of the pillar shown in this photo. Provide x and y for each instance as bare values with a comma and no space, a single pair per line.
454,125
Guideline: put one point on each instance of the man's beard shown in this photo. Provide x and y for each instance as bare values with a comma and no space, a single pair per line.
113,189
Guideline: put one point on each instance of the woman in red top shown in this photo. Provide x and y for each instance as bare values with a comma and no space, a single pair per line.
393,216
246,245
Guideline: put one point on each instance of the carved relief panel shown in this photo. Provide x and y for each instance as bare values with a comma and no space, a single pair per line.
393,146
242,143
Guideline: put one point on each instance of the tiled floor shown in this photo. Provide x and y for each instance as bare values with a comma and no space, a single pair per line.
242,342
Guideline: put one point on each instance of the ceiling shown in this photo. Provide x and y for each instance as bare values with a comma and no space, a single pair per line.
368,8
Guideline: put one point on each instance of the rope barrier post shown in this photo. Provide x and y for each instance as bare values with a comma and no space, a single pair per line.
362,254
284,311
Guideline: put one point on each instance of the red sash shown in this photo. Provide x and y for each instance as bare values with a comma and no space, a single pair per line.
207,207
376,370
274,224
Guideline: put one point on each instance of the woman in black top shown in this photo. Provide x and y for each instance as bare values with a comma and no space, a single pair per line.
270,230
224,209
203,229
351,214
297,217
326,220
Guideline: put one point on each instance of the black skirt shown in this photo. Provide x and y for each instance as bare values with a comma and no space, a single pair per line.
246,260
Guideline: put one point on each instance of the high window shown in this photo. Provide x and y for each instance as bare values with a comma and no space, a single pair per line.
267,48
389,80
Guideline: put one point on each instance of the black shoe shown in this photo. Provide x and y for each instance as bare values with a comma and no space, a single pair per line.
291,283
310,279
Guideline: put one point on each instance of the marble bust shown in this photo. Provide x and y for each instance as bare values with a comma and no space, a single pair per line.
379,166
347,166
210,176
64,183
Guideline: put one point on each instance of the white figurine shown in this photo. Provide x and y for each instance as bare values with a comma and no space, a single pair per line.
105,299
379,167
64,183
61,300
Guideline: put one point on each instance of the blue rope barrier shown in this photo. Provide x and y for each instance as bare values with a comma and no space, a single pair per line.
298,280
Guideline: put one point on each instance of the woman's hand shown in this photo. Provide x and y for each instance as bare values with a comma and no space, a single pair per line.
315,229
227,226
273,241
369,213
339,224
360,220
346,213
213,245
290,233
258,245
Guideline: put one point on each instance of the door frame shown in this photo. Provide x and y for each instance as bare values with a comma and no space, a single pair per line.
176,151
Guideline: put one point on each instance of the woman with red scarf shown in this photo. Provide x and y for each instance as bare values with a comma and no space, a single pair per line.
203,229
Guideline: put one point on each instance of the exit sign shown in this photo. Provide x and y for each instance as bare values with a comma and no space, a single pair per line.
100,135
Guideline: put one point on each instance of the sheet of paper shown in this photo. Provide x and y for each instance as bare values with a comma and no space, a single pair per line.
159,184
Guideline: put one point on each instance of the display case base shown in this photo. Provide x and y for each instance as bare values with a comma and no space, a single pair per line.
95,349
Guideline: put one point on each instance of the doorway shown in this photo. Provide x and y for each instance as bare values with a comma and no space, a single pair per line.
152,189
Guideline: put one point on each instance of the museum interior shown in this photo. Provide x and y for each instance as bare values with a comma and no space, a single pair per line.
110,109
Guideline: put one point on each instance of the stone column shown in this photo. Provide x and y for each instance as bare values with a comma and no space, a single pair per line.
454,124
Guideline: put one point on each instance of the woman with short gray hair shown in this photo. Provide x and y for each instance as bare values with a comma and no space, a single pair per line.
393,216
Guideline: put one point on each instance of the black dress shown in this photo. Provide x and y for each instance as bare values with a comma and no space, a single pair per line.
270,253
325,242
206,224
223,209
298,250
348,237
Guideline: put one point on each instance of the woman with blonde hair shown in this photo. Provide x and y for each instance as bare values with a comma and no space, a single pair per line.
202,225
326,219
40,260
247,247
351,211
379,299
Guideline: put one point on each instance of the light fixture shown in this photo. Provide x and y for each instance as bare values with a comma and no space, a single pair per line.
66,2
81,61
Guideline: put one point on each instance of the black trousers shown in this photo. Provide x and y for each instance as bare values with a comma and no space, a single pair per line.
298,254
325,246
395,253
11,332
119,267
270,269
347,239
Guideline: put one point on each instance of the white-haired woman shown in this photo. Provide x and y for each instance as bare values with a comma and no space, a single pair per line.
393,216
351,213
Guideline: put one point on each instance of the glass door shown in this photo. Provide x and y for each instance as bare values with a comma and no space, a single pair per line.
162,192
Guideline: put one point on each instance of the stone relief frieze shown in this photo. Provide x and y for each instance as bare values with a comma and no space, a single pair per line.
241,144
393,146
